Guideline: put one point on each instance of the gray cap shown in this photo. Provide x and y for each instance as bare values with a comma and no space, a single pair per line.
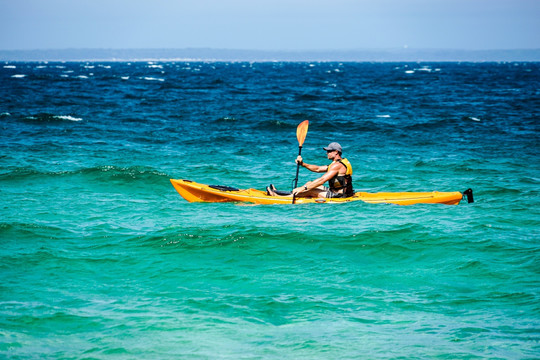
333,146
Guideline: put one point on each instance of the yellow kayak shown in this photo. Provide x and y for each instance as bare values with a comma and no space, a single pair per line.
195,192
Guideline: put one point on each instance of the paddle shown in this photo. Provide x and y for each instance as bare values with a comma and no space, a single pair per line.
301,132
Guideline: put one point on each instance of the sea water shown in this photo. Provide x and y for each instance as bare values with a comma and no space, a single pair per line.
100,257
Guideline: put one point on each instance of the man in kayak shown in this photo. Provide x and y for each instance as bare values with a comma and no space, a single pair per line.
338,174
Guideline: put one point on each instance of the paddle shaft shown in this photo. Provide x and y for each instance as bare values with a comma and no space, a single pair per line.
301,132
297,168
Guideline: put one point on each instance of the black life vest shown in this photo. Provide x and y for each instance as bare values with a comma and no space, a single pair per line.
340,182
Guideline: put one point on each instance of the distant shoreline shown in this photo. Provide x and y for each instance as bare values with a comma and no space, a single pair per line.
206,54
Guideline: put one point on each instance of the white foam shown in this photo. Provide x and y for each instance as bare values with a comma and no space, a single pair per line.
155,66
18,76
152,78
67,117
5,114
10,67
409,72
474,119
125,77
82,77
383,116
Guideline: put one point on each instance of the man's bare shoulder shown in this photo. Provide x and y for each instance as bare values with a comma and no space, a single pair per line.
336,166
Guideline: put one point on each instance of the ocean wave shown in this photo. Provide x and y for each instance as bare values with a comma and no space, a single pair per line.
463,123
307,97
262,125
151,78
278,124
219,236
102,172
32,230
48,118
131,172
226,120
365,126
67,117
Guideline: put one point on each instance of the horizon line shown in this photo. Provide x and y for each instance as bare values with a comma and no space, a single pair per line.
229,54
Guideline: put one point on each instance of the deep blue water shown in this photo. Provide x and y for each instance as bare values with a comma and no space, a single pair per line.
101,258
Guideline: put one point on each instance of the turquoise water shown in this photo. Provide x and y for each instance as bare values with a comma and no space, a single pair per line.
101,258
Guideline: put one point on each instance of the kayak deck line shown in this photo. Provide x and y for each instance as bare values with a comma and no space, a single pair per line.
196,192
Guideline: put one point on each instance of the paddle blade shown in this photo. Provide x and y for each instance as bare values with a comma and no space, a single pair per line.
301,132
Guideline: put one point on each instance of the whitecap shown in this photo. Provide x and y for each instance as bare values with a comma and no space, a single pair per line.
383,116
10,67
125,77
5,114
152,78
18,76
474,119
155,66
409,72
82,77
67,117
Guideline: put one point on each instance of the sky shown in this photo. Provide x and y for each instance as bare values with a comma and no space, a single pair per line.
270,24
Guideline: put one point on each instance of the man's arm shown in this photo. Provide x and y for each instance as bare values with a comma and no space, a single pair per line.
333,171
314,168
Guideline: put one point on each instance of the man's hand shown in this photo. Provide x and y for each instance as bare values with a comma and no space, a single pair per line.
299,190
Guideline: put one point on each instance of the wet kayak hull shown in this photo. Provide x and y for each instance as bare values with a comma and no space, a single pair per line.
195,192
